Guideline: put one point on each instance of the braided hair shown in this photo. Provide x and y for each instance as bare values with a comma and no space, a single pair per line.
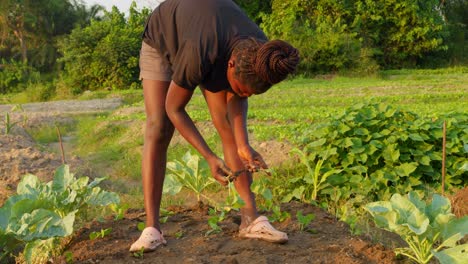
260,65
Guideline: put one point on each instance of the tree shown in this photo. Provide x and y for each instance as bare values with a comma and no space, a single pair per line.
255,8
105,53
30,27
400,30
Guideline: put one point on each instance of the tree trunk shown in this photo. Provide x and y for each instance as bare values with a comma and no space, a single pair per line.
24,48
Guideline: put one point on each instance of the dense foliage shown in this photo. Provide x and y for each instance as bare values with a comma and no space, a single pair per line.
338,35
99,49
372,151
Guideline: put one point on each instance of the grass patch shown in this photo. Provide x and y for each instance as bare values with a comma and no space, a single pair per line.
46,134
114,142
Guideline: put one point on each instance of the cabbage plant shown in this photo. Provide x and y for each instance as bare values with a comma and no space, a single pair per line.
430,229
40,213
191,173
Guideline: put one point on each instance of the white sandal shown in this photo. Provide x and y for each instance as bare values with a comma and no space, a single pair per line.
262,229
149,240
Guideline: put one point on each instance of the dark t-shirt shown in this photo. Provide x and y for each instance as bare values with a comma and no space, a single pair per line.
197,37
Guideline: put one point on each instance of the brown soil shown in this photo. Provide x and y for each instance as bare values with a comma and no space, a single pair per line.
329,242
325,240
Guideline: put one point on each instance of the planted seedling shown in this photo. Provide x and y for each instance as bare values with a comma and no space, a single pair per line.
100,234
141,226
304,220
139,253
213,221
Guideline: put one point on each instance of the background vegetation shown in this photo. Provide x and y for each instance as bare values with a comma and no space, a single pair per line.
364,128
53,49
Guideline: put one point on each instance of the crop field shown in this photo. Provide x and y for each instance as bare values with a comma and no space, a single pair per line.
355,163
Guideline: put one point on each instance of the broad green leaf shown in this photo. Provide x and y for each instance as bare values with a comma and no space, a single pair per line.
62,178
406,169
376,143
451,241
379,207
342,128
70,199
298,192
456,225
454,255
361,132
38,250
102,198
464,167
31,226
390,112
391,153
416,200
425,160
328,174
409,214
171,185
28,185
6,210
26,206
438,206
317,143
81,183
96,182
416,137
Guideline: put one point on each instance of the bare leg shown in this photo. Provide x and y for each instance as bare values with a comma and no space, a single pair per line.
158,134
218,110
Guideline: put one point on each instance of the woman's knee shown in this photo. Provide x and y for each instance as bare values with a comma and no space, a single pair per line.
158,130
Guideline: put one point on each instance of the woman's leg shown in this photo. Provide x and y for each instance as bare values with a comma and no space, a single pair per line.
158,134
218,109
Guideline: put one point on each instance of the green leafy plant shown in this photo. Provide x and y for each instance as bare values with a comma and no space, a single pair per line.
140,253
429,229
119,210
68,257
141,226
308,184
380,150
179,234
214,220
233,200
41,213
277,215
8,123
190,173
304,220
101,234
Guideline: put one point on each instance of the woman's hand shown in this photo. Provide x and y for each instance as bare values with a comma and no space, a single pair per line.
252,160
219,170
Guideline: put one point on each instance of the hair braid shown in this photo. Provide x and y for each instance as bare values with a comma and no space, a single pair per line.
260,65
275,60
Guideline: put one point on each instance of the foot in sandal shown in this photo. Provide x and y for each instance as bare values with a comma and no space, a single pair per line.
149,240
262,229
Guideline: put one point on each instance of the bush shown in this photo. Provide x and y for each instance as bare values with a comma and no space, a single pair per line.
105,54
381,150
14,75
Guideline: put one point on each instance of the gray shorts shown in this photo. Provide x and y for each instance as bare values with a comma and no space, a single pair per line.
152,65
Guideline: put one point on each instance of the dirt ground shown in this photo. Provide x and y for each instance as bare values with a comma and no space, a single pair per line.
329,242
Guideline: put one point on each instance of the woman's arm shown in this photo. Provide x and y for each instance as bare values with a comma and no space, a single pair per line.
237,108
176,100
